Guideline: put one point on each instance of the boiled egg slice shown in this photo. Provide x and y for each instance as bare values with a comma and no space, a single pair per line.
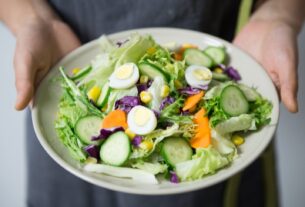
198,76
141,120
124,76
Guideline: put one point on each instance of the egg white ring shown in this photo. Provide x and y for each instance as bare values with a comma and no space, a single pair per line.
192,81
149,126
116,83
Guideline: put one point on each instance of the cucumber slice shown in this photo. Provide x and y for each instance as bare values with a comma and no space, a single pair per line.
81,74
233,101
218,54
87,127
250,93
220,76
176,150
153,71
194,56
116,149
102,100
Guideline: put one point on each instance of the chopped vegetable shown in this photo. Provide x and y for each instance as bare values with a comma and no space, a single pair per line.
127,103
238,140
202,138
92,151
105,133
116,118
192,100
145,97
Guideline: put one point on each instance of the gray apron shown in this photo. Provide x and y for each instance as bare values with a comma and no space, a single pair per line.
51,186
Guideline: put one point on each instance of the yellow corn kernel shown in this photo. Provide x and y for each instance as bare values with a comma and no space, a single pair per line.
165,91
145,97
94,93
143,79
130,133
75,71
238,140
178,84
91,160
218,70
151,50
146,145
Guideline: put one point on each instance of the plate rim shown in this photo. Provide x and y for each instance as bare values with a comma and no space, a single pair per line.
155,191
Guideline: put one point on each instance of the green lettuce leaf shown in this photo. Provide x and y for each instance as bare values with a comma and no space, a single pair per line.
154,168
206,161
261,109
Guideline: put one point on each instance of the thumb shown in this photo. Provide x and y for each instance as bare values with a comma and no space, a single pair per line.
24,78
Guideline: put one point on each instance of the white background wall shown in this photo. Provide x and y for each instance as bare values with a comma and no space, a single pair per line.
290,140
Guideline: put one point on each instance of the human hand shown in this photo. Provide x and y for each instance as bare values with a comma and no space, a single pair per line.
273,43
39,44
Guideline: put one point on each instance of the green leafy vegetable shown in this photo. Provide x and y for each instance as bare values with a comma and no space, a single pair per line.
205,161
154,168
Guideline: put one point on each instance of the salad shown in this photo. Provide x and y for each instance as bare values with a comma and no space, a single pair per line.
142,110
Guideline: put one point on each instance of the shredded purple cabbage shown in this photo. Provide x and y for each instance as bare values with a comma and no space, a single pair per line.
105,133
166,101
136,140
127,103
142,87
157,113
184,113
189,90
222,66
232,73
92,151
173,177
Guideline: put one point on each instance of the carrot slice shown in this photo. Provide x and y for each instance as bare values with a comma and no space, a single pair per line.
202,138
191,101
115,118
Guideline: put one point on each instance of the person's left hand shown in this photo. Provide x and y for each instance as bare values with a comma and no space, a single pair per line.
274,45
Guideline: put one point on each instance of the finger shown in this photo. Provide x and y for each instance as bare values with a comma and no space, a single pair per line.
289,81
24,77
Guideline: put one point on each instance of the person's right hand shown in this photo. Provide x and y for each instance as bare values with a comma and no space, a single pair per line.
40,44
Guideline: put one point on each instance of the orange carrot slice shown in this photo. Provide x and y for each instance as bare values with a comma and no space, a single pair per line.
191,101
202,138
115,118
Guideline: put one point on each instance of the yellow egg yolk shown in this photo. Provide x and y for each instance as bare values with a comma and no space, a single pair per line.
124,71
200,74
141,116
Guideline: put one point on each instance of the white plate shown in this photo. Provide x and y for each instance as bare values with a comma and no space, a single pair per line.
48,94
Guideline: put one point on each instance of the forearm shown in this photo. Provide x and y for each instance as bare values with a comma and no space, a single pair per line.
14,13
291,12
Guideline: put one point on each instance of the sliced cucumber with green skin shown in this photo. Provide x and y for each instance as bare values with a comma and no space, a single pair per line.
116,149
176,150
102,100
220,76
152,71
250,93
194,56
218,54
233,101
87,127
82,73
